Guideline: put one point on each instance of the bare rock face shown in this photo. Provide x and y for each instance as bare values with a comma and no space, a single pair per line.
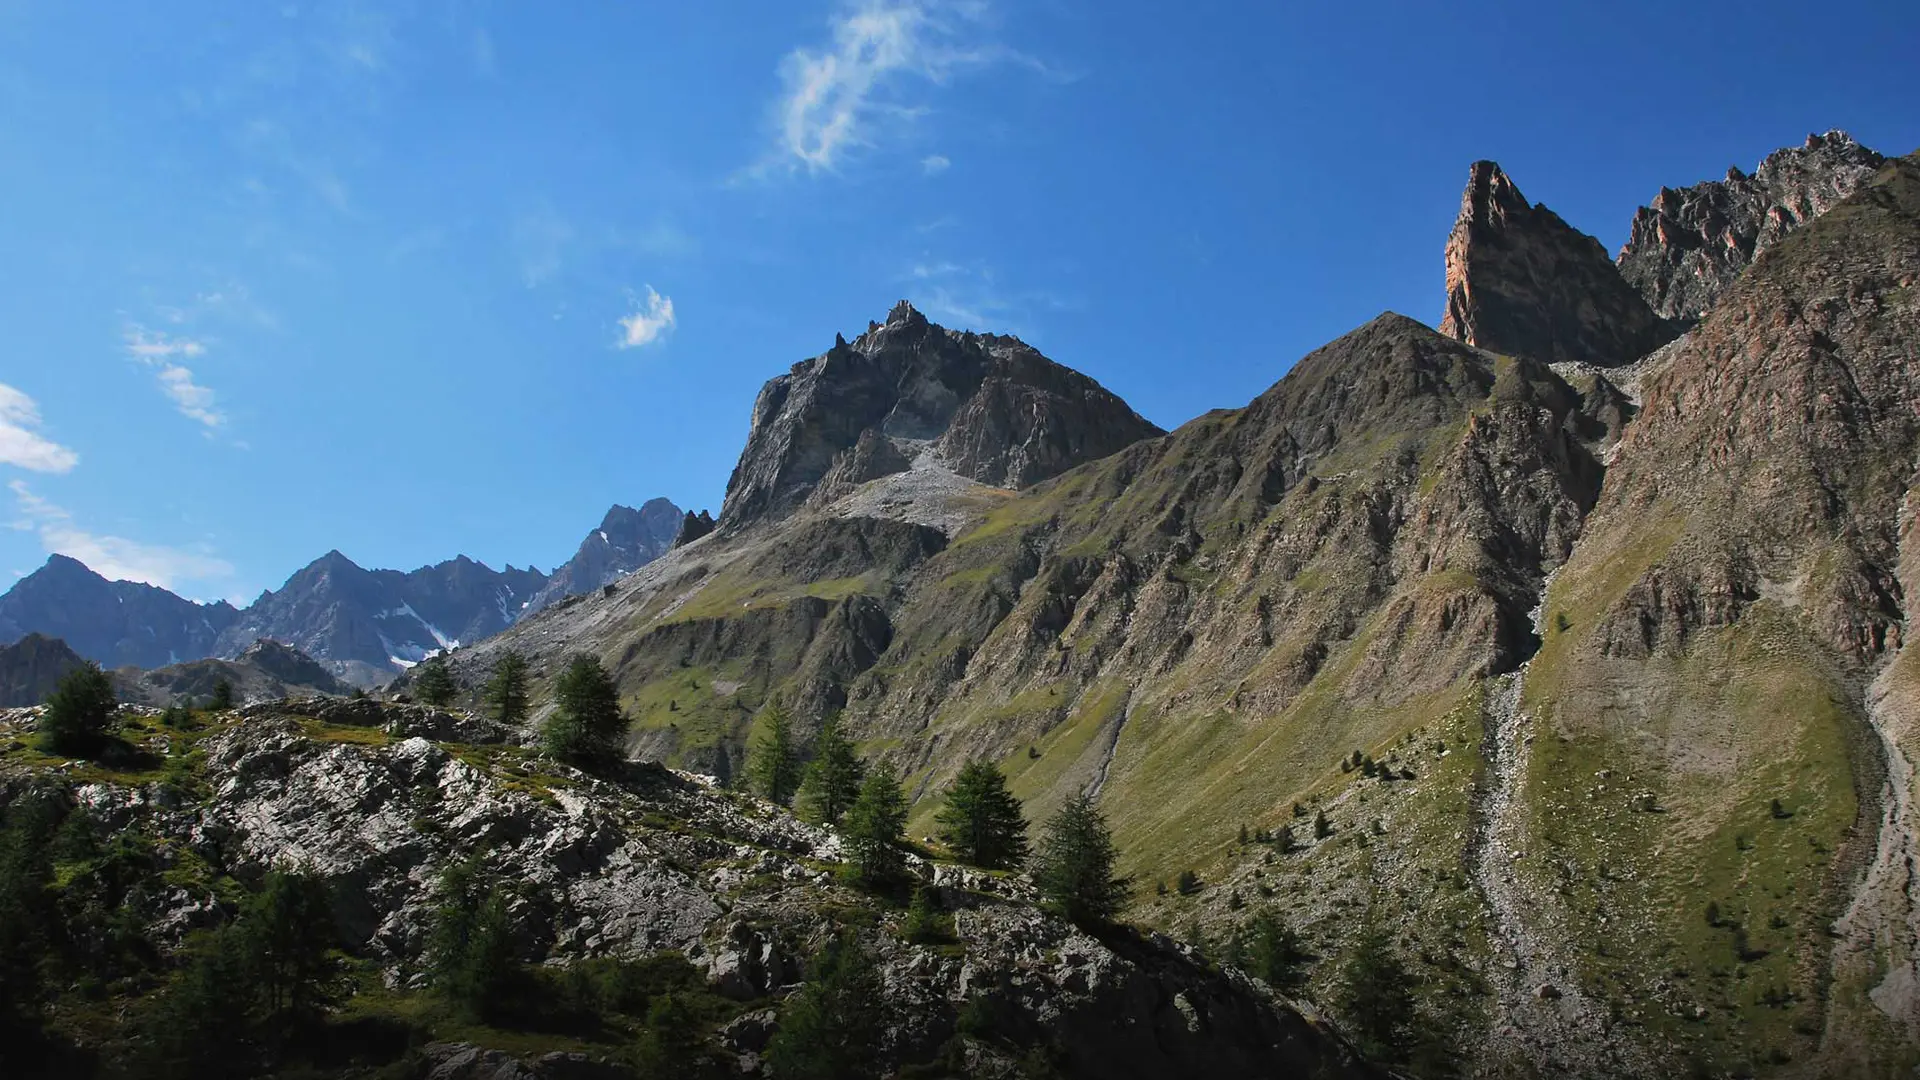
1523,282
1691,243
989,408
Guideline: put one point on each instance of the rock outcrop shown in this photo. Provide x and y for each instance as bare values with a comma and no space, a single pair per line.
987,407
1523,282
626,540
693,527
1686,248
648,861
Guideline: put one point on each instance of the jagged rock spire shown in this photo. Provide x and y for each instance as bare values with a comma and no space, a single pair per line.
1522,281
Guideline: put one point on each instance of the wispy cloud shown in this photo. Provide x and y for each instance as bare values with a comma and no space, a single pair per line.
20,444
162,351
193,400
842,95
645,326
540,242
113,556
934,163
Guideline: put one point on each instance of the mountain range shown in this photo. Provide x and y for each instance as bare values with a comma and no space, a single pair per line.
365,626
1565,638
1562,644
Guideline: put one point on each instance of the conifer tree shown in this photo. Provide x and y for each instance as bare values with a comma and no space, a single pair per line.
289,931
833,777
874,829
507,689
981,820
830,1029
1375,993
1274,953
79,714
433,683
774,768
470,953
1074,867
586,724
222,699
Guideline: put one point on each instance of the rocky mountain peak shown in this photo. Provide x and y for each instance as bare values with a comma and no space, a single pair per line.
1522,281
991,409
1688,245
626,540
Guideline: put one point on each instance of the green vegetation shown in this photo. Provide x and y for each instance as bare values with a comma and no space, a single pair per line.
830,1029
774,766
222,698
1074,868
506,691
433,682
981,820
586,724
875,831
832,781
79,714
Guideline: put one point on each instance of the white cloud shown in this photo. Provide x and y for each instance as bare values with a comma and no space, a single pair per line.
934,163
112,556
20,445
193,400
152,346
836,95
645,326
155,349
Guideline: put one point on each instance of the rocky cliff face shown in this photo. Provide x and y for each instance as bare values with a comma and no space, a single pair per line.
626,540
1523,282
1686,248
113,623
988,408
32,668
380,800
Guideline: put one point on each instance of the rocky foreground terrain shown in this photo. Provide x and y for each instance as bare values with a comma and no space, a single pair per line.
379,801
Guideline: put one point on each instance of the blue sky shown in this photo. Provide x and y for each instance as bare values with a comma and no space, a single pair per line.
418,279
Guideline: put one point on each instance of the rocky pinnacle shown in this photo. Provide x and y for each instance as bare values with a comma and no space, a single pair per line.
1523,282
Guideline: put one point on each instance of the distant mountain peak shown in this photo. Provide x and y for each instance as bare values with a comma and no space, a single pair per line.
626,540
991,409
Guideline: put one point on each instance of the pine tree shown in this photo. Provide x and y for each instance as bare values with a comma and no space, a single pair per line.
586,724
981,821
1274,953
925,923
288,930
774,769
470,953
79,714
1074,866
830,1029
433,683
832,780
507,689
874,828
1322,828
1375,993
